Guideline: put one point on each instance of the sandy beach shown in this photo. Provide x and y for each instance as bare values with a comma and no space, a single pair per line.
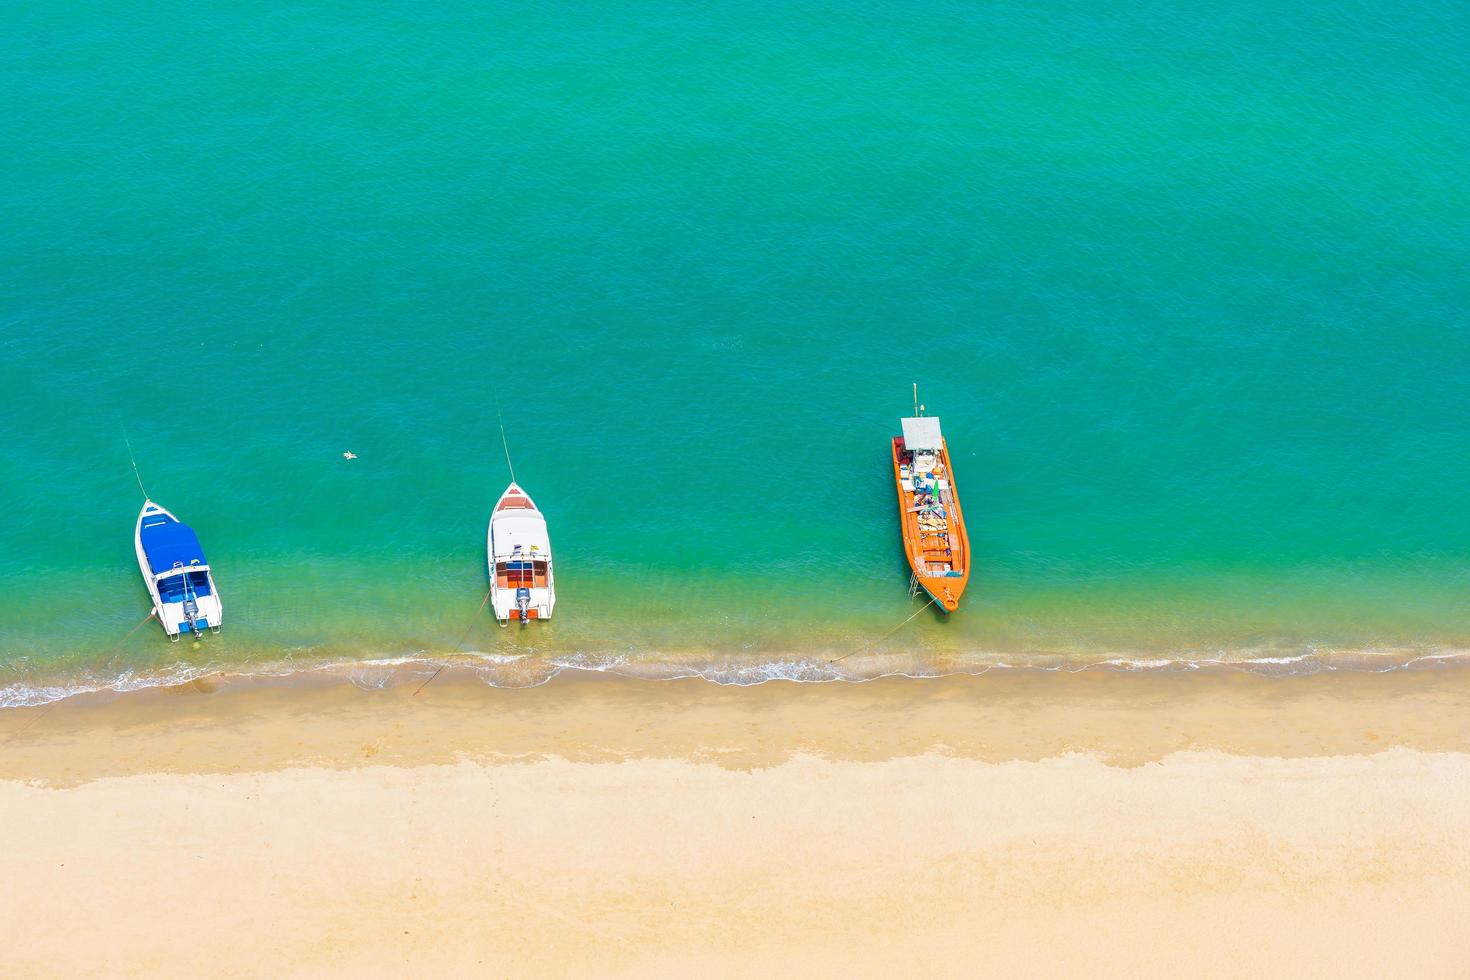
1012,824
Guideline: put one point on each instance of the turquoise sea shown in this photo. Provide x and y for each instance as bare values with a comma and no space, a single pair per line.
1186,283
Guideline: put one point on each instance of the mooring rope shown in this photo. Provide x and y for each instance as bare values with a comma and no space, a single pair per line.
110,651
468,630
504,443
872,643
138,476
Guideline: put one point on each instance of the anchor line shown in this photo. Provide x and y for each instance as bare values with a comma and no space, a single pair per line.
136,475
457,646
504,443
110,651
885,636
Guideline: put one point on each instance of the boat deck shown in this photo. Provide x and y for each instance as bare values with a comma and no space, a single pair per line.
932,522
928,501
522,575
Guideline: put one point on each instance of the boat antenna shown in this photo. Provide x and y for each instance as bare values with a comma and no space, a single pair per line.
916,398
503,443
136,475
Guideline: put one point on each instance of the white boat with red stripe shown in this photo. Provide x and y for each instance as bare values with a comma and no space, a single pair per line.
522,582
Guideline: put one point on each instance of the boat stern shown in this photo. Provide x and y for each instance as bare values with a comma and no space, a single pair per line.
175,617
186,601
523,603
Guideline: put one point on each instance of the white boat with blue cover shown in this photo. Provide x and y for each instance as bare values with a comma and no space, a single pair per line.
185,599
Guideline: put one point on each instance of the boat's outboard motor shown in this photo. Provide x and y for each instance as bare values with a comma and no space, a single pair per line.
523,602
191,613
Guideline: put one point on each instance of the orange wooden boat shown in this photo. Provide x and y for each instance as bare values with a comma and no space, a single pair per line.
929,511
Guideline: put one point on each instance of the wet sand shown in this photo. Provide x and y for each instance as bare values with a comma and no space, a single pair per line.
1016,823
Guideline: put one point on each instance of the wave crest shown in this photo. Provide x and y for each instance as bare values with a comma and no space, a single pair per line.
533,670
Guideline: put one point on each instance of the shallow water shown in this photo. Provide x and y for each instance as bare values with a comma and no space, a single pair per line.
1184,284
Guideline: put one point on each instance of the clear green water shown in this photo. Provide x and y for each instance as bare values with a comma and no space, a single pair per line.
1186,284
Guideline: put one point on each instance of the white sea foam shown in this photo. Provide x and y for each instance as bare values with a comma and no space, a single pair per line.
522,670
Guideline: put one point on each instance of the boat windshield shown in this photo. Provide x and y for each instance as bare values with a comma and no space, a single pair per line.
172,589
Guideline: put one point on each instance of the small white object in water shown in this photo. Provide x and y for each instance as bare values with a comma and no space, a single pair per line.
349,455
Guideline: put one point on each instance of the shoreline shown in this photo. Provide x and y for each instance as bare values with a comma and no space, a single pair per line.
521,670
1121,717
1098,823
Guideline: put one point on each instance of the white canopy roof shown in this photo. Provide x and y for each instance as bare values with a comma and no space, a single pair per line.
526,531
922,434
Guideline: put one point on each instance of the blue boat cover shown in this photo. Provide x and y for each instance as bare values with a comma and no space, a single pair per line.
168,543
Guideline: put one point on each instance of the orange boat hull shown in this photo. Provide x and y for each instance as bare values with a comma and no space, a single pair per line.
938,547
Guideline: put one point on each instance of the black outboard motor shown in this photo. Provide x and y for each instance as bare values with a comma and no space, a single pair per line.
523,602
